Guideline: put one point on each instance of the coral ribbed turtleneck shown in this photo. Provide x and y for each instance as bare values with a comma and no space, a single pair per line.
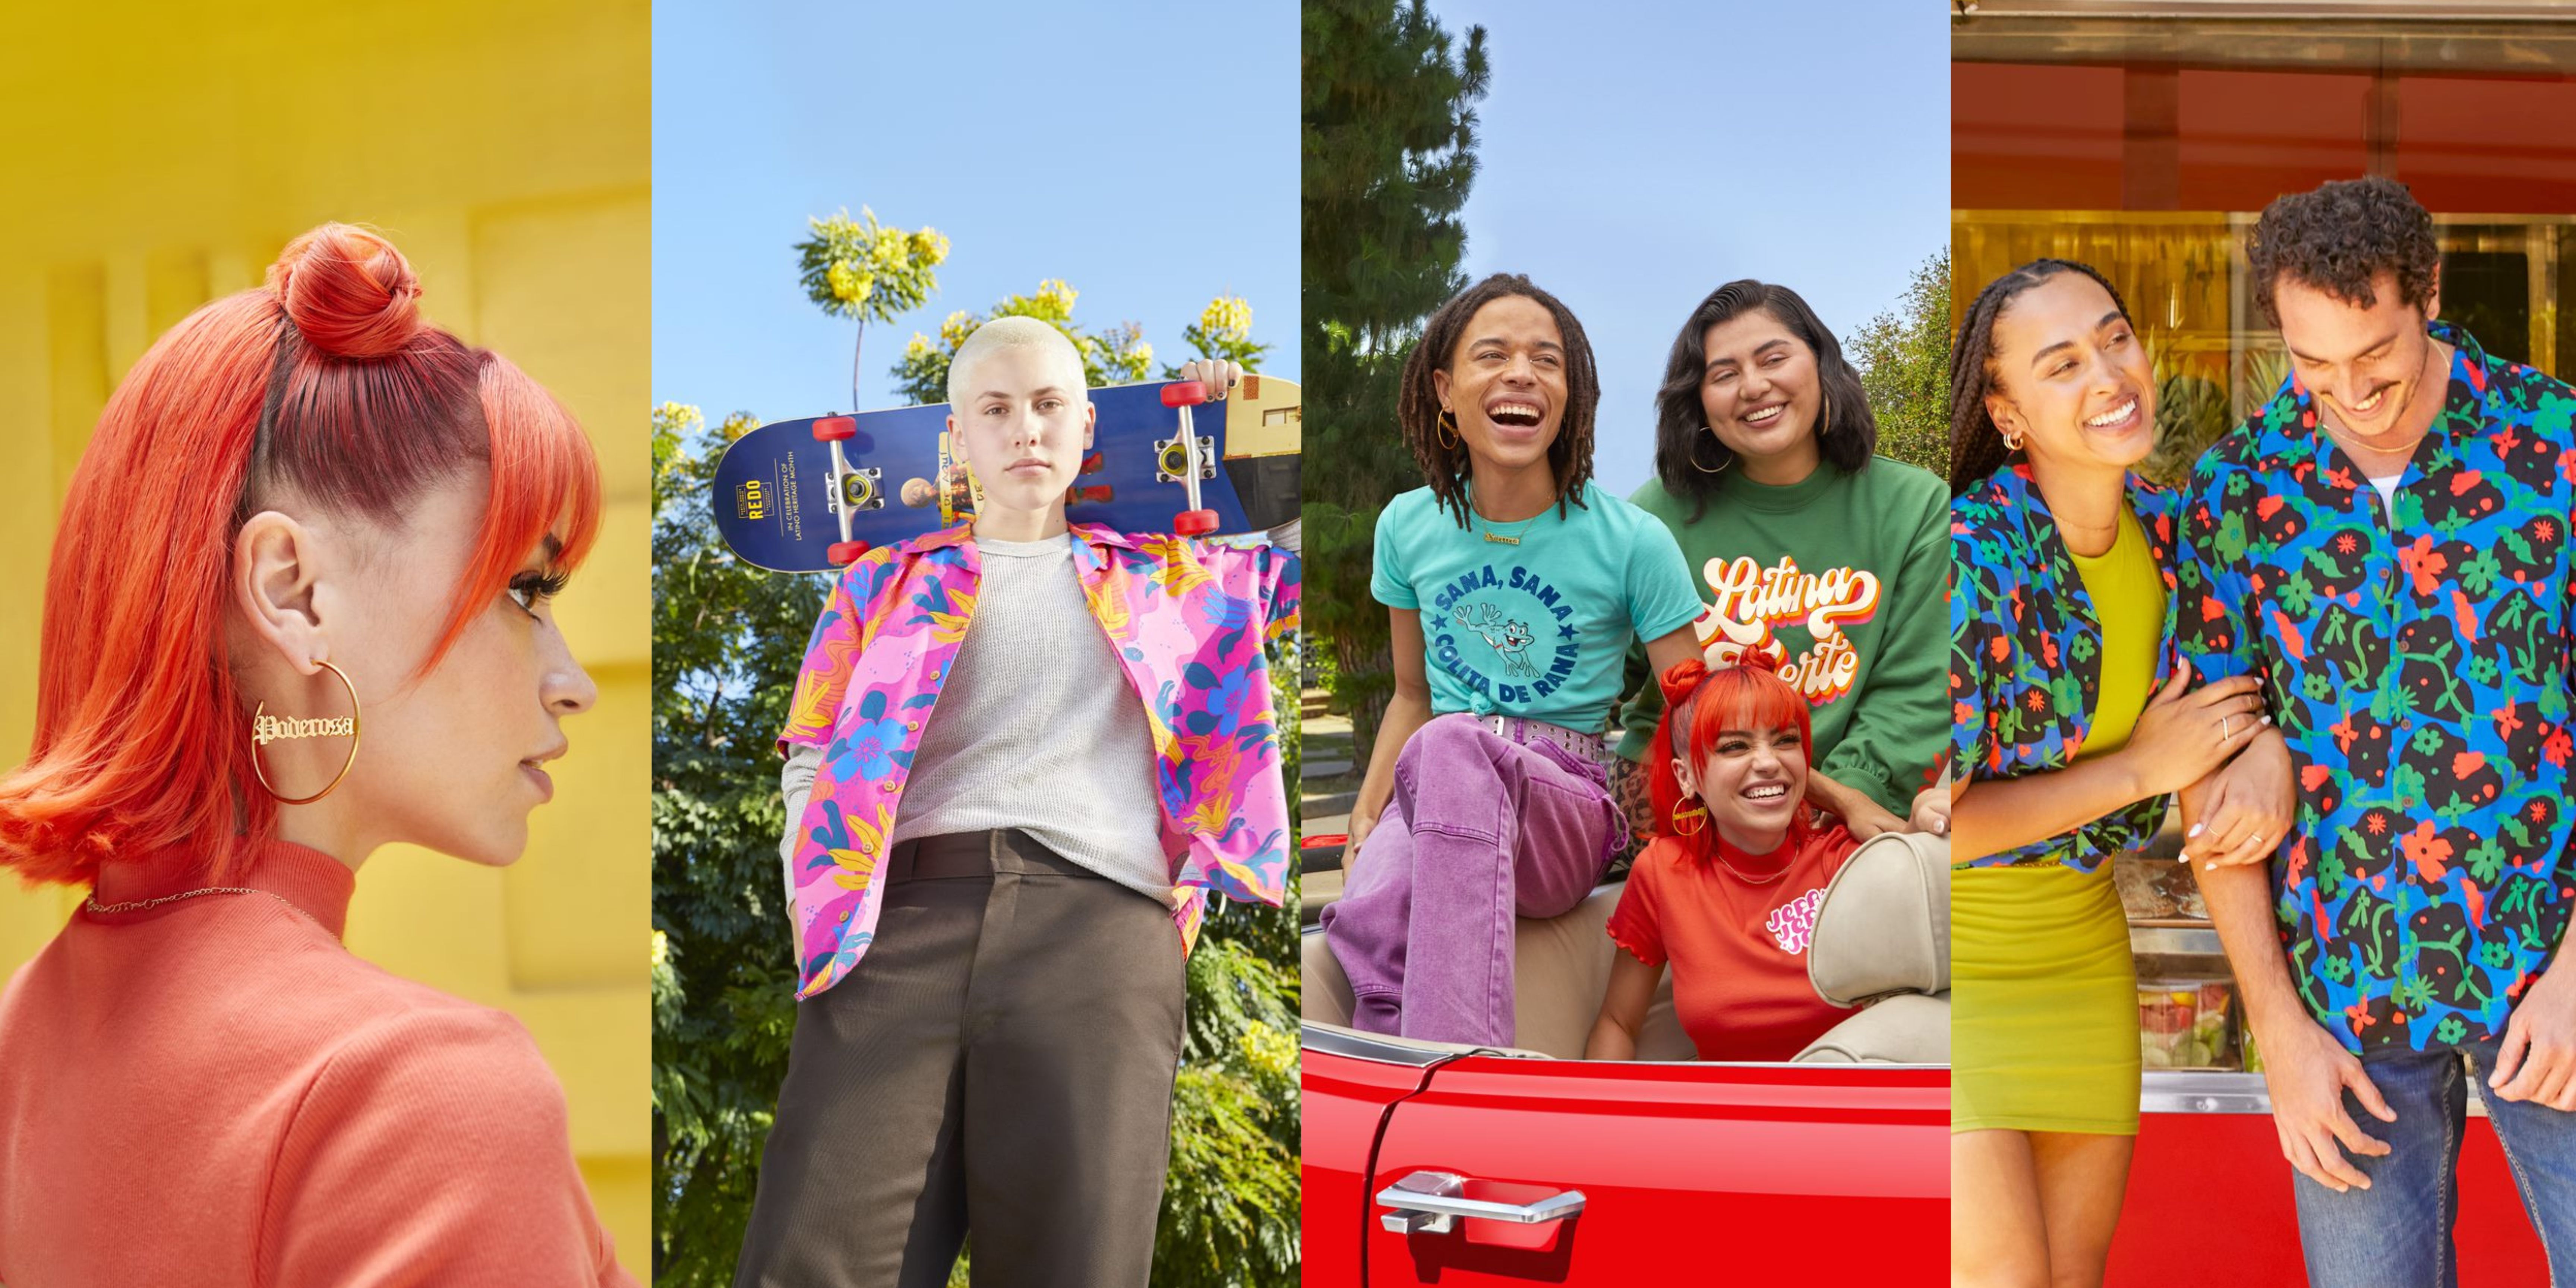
215,1090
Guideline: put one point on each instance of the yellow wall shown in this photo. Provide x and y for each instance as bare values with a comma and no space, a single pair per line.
154,156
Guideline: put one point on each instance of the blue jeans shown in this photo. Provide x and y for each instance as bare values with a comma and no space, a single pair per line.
2397,1233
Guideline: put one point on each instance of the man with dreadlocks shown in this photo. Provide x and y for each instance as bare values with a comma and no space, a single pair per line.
1514,586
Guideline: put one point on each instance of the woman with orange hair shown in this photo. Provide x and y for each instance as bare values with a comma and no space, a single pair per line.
305,515
1728,890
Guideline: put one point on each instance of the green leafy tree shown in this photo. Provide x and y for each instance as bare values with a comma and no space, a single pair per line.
864,271
728,640
1390,137
724,979
1904,360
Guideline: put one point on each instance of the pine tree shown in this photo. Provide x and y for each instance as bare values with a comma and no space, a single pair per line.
1390,136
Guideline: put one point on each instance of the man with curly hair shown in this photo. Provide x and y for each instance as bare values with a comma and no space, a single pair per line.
2383,543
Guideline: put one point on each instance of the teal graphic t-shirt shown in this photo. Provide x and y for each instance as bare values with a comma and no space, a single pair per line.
1540,629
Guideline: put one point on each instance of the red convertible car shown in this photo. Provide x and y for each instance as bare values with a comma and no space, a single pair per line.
1461,1166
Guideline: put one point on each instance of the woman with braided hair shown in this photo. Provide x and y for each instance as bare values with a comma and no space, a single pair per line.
1513,587
2071,728
1728,890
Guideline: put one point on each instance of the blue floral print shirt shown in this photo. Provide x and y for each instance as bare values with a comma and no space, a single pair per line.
2418,666
2026,653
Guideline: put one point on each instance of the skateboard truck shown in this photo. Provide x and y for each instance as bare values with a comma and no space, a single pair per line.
851,490
1187,458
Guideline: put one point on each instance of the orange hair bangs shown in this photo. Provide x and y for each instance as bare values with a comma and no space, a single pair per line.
321,388
1699,705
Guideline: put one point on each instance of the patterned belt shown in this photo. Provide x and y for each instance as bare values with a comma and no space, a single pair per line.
1586,746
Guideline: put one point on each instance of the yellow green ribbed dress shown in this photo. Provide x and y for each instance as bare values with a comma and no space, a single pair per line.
2044,997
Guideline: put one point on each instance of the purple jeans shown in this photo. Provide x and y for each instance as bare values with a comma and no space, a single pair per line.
1481,828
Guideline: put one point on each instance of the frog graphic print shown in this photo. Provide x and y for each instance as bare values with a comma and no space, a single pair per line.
1493,620
1540,629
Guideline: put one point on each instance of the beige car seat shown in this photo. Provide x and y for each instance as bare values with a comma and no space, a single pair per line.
1883,940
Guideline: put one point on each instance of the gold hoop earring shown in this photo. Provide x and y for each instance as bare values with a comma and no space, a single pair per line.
1446,423
266,728
1691,821
2012,442
1694,454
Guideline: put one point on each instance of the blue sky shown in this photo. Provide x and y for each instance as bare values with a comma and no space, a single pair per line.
1637,155
1041,139
1633,158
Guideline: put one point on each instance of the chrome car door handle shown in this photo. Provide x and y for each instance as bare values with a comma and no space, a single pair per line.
1432,1202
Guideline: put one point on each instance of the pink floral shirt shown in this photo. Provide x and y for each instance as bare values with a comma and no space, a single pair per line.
1187,619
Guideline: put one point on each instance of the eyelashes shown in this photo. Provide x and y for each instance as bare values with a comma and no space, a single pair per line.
532,588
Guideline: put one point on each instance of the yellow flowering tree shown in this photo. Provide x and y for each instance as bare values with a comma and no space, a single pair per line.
1116,355
862,270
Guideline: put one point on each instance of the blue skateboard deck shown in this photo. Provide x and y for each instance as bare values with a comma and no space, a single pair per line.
780,500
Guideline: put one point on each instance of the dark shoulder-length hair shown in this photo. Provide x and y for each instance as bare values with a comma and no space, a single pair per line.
1689,458
1977,448
1442,454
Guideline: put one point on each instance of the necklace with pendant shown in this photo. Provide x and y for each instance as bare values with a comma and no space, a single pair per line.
1511,538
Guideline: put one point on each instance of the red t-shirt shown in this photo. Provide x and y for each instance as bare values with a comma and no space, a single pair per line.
1737,940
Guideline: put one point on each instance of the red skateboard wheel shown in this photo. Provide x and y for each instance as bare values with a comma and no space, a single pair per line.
1194,523
1184,393
829,429
844,553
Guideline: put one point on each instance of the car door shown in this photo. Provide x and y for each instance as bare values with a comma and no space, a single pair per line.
1814,1173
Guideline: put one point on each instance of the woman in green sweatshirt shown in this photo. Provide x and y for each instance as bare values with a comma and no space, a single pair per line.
1808,547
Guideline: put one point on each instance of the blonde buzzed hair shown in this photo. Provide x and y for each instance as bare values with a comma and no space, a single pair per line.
1009,333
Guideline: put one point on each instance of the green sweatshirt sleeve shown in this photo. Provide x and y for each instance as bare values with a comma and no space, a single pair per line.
1644,707
1900,725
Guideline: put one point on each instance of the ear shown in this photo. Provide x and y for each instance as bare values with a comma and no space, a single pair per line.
1090,421
1686,777
1440,387
2433,298
2007,417
952,423
277,562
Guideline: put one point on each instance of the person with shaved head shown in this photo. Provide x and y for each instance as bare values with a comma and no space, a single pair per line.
1021,755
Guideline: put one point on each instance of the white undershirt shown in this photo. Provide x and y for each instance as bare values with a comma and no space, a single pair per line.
2388,493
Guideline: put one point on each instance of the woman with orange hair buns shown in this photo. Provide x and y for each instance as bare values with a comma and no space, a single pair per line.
1728,890
306,516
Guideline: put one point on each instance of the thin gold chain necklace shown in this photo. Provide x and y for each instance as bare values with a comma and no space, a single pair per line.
1773,879
1511,538
139,905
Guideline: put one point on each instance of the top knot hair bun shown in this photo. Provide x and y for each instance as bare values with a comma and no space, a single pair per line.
349,293
1754,659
